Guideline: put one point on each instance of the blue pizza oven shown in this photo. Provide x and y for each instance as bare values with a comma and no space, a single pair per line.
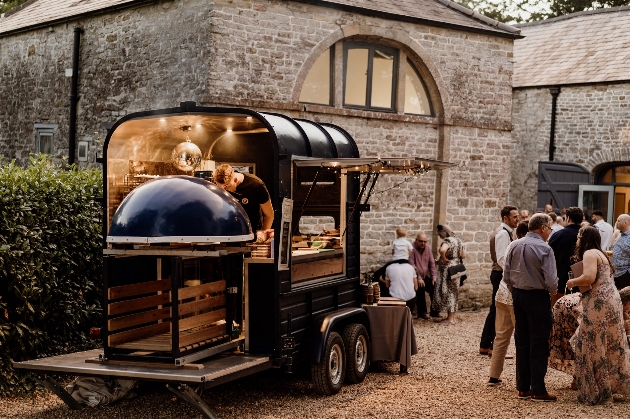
173,209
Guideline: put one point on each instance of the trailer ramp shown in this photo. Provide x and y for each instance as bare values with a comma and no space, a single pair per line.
186,382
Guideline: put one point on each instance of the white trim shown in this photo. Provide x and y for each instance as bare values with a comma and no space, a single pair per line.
179,239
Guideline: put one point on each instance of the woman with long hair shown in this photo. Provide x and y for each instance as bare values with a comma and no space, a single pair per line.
602,354
446,290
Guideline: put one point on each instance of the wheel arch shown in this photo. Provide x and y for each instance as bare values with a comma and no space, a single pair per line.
335,321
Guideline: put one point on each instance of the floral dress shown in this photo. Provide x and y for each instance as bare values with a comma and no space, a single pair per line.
566,313
602,355
446,290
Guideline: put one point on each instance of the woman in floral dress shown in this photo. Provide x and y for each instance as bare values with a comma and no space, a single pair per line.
447,290
602,354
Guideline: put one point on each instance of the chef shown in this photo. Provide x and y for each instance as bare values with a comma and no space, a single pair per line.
251,193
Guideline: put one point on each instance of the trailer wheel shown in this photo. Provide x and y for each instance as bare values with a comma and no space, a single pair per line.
329,374
357,343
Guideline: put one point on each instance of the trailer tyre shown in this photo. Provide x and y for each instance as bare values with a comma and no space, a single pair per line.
357,343
329,374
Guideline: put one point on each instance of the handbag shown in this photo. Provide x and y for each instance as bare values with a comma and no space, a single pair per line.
458,272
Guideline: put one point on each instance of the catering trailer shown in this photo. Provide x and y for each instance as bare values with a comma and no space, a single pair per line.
190,299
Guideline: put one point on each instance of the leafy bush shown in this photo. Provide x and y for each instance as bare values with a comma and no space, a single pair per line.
50,264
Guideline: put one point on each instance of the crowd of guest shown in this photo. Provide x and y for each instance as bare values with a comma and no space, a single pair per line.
560,284
565,299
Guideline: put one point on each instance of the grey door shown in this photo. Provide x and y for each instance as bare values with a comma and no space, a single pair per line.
560,182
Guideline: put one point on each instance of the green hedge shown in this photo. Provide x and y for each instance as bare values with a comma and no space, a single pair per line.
50,264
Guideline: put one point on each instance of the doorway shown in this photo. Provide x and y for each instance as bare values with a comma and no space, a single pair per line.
617,177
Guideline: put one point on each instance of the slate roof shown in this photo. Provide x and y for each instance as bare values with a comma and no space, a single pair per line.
41,13
583,47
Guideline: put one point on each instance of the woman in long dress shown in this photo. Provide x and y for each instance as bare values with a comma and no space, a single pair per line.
447,290
602,354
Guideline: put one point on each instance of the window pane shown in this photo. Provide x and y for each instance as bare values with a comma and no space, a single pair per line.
316,87
382,79
416,100
622,174
607,178
356,77
45,143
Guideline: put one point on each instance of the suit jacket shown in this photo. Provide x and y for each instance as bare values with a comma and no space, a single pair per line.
563,244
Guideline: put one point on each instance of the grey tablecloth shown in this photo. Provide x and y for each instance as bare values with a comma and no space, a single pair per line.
391,334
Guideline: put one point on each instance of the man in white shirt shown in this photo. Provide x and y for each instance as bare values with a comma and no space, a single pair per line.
402,282
500,239
605,229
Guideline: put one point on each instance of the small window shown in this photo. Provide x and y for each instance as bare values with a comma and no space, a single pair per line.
317,87
416,97
44,138
369,76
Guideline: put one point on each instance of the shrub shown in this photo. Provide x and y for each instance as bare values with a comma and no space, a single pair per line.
50,264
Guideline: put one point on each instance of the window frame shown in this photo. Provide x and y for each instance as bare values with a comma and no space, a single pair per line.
331,86
45,130
347,45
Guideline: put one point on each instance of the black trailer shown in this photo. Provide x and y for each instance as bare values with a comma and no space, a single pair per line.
188,301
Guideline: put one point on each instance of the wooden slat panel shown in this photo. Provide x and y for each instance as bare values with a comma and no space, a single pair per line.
139,318
209,288
205,334
138,289
205,304
138,304
161,343
310,270
140,333
201,320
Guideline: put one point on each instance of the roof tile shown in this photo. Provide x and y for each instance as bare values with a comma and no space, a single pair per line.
41,12
579,48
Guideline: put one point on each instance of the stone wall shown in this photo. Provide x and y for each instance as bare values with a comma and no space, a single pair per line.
255,54
531,121
592,128
145,58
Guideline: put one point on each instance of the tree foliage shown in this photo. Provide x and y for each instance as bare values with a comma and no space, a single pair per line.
517,11
50,264
7,5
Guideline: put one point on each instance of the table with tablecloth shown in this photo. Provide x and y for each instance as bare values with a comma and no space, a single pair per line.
391,334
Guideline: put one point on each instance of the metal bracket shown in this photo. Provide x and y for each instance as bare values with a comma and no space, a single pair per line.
49,384
194,399
232,290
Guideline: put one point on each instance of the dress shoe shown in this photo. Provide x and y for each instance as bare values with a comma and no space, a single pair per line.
524,395
484,351
423,317
544,398
494,381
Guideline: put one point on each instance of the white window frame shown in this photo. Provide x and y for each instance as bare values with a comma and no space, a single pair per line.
44,130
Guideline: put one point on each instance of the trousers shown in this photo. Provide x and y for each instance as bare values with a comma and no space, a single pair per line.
504,326
532,313
421,301
488,332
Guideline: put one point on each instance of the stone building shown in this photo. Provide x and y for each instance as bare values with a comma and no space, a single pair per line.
571,112
407,78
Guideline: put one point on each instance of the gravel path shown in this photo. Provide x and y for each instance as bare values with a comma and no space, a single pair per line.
447,380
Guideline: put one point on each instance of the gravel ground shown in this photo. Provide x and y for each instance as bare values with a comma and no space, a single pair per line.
447,380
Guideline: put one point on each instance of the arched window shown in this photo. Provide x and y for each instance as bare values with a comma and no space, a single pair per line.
317,87
369,80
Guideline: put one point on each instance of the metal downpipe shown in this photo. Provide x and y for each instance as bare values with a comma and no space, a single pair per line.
74,97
